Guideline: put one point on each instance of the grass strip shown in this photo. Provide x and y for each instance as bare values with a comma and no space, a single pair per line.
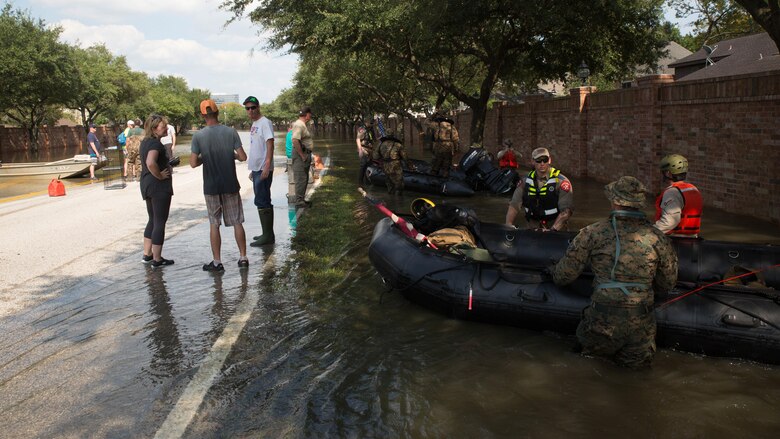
324,233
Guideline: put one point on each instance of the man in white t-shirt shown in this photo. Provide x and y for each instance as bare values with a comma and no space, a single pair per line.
169,141
261,168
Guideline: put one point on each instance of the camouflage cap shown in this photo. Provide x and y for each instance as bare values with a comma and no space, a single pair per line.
626,191
540,152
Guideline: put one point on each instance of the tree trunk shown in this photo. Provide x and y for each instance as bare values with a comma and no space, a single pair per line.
33,133
767,14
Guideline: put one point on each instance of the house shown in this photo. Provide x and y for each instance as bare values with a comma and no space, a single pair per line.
672,53
750,54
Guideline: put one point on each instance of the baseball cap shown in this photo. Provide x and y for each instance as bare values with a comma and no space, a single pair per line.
92,125
131,122
251,99
304,110
540,152
208,106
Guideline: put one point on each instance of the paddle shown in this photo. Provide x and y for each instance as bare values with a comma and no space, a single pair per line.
402,224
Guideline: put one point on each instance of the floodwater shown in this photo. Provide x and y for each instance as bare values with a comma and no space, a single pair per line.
111,356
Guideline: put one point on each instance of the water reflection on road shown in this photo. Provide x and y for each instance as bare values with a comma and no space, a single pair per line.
110,357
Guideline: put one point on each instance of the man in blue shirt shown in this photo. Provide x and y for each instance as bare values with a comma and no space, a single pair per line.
94,150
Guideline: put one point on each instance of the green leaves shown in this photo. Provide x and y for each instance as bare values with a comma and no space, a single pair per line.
400,56
35,71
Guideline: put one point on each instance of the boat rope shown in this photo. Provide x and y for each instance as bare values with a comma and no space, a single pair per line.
443,270
696,290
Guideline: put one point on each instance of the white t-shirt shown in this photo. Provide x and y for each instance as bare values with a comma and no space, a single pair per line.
168,139
262,130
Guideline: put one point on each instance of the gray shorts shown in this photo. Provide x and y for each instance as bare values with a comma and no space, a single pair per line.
227,207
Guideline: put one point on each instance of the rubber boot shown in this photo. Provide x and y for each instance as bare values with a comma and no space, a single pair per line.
267,223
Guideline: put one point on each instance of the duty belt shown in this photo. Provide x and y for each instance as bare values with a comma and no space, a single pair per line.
622,310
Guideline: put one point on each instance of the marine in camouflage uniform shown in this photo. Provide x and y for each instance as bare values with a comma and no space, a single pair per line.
365,147
445,143
133,145
393,153
632,262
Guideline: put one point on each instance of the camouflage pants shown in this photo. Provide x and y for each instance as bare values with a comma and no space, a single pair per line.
442,159
394,176
628,340
133,157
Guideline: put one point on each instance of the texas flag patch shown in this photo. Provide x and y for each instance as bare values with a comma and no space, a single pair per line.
565,186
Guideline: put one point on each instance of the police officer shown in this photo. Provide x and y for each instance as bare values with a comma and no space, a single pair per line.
445,142
365,147
546,195
632,262
679,206
392,152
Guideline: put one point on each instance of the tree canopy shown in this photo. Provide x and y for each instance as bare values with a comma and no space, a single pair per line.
460,48
40,76
36,71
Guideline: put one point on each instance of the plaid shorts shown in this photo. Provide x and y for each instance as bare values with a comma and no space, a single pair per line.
227,206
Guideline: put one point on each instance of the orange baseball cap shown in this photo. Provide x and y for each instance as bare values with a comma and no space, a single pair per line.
208,106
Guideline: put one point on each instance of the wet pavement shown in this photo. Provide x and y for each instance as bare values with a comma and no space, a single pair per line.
113,355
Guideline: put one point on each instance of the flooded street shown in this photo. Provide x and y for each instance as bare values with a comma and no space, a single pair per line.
112,355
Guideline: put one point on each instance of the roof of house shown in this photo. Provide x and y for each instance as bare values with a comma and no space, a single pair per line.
750,54
674,53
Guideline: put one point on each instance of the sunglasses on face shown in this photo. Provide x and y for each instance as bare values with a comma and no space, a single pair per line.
542,160
253,107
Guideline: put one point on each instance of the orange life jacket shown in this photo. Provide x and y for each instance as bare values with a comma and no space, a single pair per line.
508,160
693,204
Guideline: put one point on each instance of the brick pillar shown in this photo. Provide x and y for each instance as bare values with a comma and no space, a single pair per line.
647,164
577,156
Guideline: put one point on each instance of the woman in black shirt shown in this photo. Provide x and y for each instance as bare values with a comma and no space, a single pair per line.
156,189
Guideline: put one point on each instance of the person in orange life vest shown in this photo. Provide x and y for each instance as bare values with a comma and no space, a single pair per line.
507,157
679,206
546,195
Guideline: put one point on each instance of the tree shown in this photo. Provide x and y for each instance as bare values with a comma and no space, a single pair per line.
172,97
102,83
464,47
713,20
767,14
35,71
283,109
194,96
233,115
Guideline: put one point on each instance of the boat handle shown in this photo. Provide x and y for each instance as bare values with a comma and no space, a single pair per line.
740,321
733,254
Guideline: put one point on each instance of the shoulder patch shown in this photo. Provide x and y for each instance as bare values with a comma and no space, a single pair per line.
566,185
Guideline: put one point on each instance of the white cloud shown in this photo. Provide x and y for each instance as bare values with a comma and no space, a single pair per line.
186,38
119,38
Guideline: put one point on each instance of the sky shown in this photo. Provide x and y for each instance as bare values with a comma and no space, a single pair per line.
185,38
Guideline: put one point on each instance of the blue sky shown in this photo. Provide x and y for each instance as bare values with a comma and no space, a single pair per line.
185,38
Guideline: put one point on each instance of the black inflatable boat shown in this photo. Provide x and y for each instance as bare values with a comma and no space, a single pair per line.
421,181
719,320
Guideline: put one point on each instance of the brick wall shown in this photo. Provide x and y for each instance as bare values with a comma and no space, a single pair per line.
13,140
728,128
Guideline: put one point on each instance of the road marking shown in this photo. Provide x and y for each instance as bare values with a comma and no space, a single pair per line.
190,400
